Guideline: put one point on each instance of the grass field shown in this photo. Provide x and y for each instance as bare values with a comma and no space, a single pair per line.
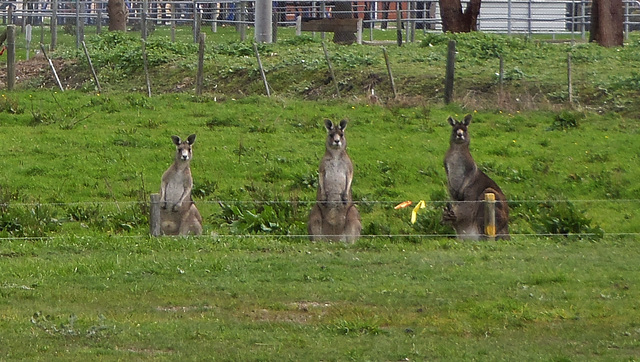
81,278
107,298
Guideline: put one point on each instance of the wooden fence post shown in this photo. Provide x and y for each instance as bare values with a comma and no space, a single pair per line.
10,13
274,25
490,215
197,25
200,74
298,25
242,25
399,23
143,20
214,18
79,24
451,64
569,78
359,32
54,24
99,22
173,22
501,81
28,33
154,215
11,56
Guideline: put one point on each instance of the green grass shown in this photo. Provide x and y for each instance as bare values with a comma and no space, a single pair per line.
266,299
82,280
92,160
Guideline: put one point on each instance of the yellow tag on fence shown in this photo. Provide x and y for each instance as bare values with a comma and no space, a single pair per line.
414,213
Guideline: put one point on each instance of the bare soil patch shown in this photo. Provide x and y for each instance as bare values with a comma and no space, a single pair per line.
37,69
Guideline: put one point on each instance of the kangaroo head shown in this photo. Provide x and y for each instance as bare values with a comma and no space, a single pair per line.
335,134
183,148
459,132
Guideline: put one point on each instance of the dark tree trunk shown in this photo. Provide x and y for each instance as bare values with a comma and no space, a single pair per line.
607,23
457,21
343,10
118,14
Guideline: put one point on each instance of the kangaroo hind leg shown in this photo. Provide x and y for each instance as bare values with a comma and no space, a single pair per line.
353,225
191,222
314,226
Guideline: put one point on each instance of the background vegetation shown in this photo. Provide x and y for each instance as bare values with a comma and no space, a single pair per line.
82,276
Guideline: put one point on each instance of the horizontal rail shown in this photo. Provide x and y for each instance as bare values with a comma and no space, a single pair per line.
495,15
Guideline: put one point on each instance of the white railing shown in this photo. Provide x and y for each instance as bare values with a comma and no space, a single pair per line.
504,16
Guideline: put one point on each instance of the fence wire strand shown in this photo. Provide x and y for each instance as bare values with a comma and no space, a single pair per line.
215,236
271,202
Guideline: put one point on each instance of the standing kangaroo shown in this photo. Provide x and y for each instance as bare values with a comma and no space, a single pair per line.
467,186
178,213
335,216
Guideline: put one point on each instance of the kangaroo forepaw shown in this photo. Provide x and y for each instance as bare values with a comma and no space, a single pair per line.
448,215
175,207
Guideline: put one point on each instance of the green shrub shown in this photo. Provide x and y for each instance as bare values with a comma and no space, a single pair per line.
123,51
277,218
562,218
10,105
31,221
566,120
429,222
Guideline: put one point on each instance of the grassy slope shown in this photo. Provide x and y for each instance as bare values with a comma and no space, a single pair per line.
261,149
535,71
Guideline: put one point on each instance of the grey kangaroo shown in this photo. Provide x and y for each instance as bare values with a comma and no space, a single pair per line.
467,185
178,213
335,216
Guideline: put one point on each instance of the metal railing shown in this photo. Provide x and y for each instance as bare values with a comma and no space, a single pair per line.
502,16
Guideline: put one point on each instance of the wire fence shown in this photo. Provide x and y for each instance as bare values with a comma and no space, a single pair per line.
217,233
311,202
217,236
502,16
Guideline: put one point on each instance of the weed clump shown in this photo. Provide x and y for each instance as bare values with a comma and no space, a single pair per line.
565,121
276,218
563,218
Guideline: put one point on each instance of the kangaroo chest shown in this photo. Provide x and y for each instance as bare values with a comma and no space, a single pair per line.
335,178
460,170
176,185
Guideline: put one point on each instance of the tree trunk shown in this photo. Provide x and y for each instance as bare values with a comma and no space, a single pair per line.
118,14
456,21
607,23
343,10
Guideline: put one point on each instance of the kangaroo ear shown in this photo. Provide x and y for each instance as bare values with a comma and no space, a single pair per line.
451,121
176,140
191,139
343,124
467,120
328,124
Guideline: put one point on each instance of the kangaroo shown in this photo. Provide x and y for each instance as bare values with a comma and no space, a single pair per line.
178,213
467,186
334,216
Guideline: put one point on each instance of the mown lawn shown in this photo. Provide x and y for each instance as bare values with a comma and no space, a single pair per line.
70,298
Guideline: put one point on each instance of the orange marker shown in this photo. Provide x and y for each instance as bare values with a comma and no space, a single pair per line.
402,205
